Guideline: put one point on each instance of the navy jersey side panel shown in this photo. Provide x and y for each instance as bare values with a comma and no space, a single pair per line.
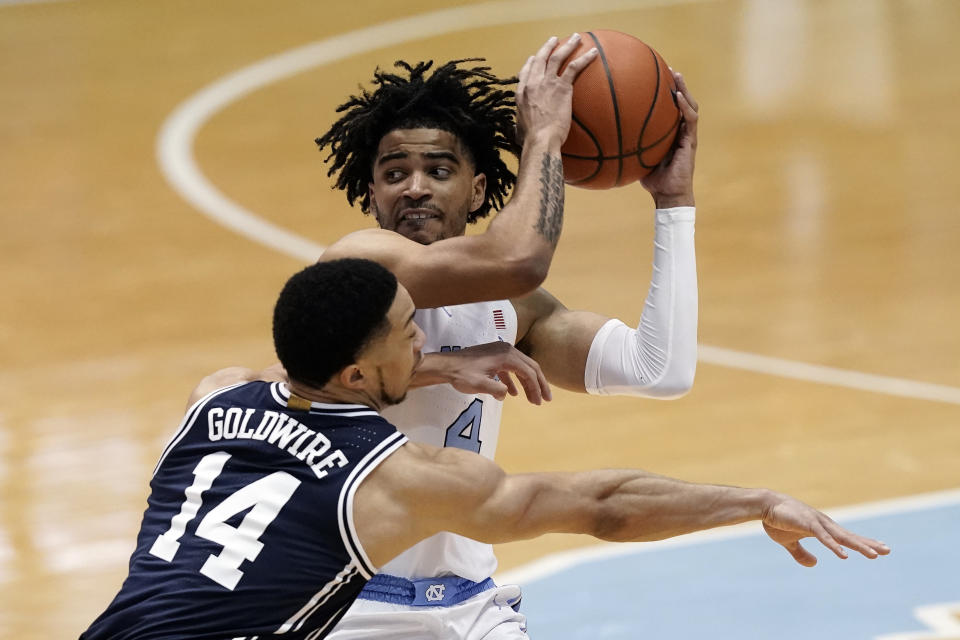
246,531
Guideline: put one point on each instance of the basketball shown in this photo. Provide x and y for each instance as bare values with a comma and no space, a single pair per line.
625,114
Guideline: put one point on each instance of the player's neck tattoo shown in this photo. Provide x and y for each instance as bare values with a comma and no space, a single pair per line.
551,199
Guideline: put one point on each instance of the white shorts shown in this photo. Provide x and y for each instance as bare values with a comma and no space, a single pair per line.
489,615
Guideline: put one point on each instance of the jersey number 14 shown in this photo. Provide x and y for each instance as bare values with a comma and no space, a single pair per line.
267,497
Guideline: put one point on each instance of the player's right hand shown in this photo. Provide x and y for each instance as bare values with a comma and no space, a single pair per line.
544,98
488,368
787,521
671,183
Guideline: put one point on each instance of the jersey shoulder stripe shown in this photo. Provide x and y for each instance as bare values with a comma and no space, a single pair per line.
345,505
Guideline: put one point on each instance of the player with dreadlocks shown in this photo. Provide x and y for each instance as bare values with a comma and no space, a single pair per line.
422,153
472,104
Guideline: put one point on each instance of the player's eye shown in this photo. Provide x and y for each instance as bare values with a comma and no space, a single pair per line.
393,175
442,172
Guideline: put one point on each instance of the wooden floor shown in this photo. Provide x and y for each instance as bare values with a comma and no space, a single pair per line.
828,234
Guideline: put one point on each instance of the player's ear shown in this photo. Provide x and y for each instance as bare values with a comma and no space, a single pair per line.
479,191
351,377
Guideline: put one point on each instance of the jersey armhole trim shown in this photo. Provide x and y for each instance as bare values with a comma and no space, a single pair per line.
348,531
188,419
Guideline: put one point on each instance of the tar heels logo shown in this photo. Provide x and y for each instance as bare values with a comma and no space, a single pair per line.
435,592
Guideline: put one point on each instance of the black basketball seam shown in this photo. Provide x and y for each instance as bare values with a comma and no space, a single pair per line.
596,143
613,101
653,105
669,132
629,154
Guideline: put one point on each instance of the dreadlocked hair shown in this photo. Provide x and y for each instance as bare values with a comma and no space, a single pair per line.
471,103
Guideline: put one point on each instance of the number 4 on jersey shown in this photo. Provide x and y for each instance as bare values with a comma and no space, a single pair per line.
464,433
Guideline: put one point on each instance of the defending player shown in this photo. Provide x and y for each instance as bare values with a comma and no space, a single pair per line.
275,502
421,153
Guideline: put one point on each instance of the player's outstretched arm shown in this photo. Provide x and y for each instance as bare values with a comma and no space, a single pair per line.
585,351
513,256
421,490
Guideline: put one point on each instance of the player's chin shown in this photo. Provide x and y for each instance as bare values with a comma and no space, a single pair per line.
422,233
424,237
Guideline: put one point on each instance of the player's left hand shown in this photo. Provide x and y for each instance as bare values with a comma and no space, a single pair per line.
671,183
489,368
787,521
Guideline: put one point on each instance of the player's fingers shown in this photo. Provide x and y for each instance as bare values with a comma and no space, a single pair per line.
560,54
682,85
828,541
543,54
688,126
800,554
528,380
492,386
686,109
504,377
866,546
541,378
544,385
690,118
579,64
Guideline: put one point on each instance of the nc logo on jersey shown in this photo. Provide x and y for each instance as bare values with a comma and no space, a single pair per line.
434,592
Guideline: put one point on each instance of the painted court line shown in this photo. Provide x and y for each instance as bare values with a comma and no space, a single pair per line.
179,166
10,3
828,375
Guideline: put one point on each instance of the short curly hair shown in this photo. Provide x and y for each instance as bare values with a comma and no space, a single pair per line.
327,314
471,103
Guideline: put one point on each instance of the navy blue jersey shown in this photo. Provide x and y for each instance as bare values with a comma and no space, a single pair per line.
249,525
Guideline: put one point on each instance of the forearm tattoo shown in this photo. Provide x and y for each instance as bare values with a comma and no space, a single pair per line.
551,199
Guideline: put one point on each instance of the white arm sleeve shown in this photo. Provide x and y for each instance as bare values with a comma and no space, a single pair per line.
658,359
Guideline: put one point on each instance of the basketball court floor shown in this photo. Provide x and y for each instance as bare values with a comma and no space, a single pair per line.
159,182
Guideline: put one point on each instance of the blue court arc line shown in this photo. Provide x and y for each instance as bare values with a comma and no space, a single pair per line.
744,586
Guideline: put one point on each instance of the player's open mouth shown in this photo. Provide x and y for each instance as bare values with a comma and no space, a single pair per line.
418,216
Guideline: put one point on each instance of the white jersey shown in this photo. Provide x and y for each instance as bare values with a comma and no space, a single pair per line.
442,416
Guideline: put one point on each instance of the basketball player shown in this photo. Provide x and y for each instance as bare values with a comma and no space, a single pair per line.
275,502
421,153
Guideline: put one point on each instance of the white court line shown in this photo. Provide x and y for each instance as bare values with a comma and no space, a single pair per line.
557,562
176,159
942,621
10,3
828,375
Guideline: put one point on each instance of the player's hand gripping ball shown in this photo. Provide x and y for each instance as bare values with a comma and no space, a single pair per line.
625,114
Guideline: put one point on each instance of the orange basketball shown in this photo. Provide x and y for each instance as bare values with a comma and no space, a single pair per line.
625,114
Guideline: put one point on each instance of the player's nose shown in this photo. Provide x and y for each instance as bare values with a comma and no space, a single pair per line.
417,186
419,338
